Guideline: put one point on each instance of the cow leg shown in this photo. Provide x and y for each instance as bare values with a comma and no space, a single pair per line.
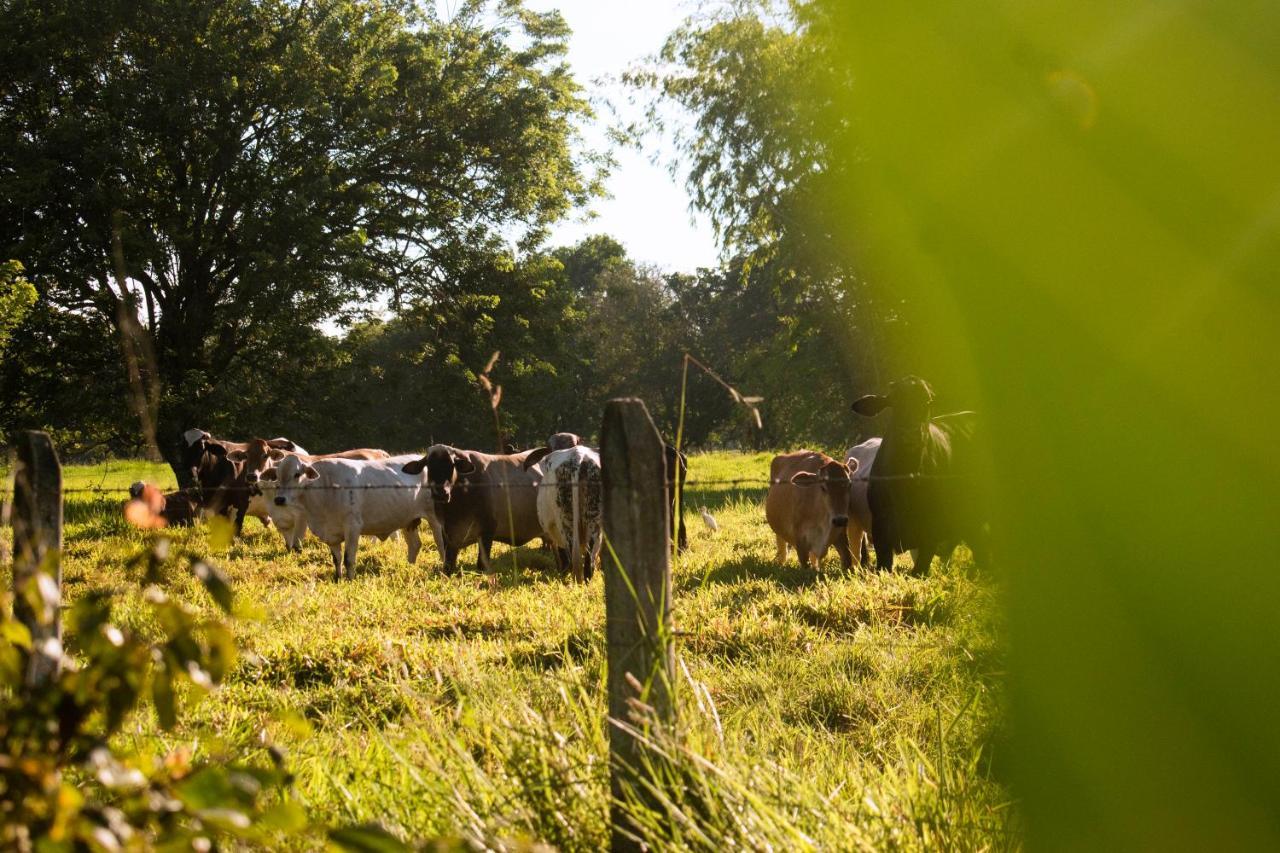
864,551
593,551
353,543
335,550
856,540
842,548
803,554
884,557
781,556
239,517
450,554
482,553
922,559
413,540
562,558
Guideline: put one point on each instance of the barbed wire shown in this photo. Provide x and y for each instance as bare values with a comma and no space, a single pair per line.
463,486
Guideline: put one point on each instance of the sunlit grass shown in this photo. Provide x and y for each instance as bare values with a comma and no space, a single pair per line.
855,710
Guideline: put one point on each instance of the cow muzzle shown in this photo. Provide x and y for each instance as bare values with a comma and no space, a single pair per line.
840,521
441,494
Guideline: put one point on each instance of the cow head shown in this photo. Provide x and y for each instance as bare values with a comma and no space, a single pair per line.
257,457
280,484
194,444
563,441
834,480
910,397
444,466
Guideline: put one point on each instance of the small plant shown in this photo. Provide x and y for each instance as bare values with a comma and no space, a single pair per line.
65,781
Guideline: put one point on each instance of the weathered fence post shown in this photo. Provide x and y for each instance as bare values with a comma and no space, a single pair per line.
37,552
637,591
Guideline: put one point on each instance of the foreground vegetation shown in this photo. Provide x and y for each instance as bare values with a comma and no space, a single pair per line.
838,710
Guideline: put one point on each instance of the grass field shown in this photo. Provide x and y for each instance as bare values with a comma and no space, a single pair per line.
831,709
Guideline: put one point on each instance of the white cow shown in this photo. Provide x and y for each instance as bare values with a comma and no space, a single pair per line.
344,499
859,506
569,507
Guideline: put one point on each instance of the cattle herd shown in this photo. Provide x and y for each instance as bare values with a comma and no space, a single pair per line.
907,490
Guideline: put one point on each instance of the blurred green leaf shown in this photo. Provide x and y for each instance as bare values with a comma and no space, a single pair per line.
215,582
366,838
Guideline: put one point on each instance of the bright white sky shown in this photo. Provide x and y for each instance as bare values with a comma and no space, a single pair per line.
648,211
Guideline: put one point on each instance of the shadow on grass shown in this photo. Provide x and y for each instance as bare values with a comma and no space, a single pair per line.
95,518
716,499
786,576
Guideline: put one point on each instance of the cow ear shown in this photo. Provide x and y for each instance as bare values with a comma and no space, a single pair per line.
852,465
276,455
269,474
237,456
870,405
806,478
310,473
282,444
463,465
536,456
415,467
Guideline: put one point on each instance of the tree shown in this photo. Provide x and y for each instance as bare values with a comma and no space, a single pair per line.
231,172
758,135
16,298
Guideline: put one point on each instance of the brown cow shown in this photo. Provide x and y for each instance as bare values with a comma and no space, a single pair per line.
216,475
479,498
808,505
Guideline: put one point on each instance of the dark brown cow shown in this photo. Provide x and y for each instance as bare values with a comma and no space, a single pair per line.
479,498
922,491
207,458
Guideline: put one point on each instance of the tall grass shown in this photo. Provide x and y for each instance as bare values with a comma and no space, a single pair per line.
817,709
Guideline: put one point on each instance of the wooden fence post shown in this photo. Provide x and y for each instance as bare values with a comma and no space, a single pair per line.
637,591
37,552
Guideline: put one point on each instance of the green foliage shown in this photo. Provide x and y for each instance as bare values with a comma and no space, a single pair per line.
67,782
234,171
1078,203
16,298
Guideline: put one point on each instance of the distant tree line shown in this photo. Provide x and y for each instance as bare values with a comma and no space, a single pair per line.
321,219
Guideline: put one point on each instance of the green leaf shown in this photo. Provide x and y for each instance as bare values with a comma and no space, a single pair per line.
162,694
16,633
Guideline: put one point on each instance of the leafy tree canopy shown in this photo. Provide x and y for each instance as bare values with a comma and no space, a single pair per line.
234,171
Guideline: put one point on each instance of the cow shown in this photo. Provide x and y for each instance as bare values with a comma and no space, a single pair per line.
257,456
676,462
478,498
174,509
807,505
569,506
344,499
859,508
921,491
215,474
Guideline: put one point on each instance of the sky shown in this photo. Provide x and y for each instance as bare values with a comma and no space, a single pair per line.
648,211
